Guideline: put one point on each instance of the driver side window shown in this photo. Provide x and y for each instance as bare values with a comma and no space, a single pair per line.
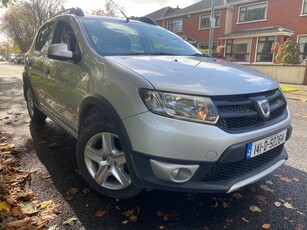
65,34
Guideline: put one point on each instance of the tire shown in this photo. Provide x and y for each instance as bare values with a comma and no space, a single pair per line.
102,162
34,113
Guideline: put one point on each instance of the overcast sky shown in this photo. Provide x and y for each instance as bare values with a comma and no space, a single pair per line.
132,7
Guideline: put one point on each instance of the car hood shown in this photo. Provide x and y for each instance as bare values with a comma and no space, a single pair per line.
196,75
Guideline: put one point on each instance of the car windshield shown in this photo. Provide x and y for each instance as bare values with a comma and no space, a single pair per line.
118,37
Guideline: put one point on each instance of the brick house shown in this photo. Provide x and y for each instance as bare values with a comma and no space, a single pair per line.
247,28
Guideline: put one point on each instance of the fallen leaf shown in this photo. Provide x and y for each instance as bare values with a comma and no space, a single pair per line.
125,222
288,220
4,206
5,148
300,213
288,205
245,220
44,175
18,223
286,179
71,221
266,226
16,211
277,204
29,207
299,228
226,205
101,213
261,199
254,208
296,179
46,204
237,195
266,188
72,191
86,190
269,182
53,227
133,218
53,145
162,227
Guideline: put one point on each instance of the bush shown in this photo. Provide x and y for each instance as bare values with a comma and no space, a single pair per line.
289,53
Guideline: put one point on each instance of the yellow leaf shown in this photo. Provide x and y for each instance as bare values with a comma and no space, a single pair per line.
70,221
5,206
29,207
45,204
5,148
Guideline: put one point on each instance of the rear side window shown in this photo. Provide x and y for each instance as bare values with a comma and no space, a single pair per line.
44,38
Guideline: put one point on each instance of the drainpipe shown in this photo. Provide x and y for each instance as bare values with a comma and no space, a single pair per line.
305,77
212,25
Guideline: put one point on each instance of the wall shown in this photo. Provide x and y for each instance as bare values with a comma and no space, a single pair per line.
286,13
291,74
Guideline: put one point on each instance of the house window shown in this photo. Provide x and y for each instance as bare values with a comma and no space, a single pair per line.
304,10
205,45
253,12
302,41
175,25
264,49
205,20
238,50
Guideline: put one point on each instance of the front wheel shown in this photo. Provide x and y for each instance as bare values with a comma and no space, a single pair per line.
102,162
35,114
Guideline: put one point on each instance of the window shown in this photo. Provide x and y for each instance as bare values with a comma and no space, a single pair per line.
175,25
302,40
304,10
253,12
237,50
205,45
264,49
205,20
44,38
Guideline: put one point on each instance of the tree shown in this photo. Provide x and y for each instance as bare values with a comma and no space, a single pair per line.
21,21
109,10
289,53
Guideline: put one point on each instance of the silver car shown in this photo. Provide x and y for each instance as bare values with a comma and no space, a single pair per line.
149,110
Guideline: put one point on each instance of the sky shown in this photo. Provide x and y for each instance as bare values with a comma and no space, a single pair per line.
132,7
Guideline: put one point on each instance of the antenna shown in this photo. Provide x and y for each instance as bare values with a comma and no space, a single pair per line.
127,19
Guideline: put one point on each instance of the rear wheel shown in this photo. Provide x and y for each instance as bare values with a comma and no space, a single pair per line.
35,114
102,162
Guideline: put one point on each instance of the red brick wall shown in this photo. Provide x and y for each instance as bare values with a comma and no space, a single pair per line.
285,13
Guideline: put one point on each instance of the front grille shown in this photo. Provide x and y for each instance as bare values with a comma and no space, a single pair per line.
238,112
227,171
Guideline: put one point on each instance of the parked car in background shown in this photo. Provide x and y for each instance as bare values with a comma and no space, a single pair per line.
149,110
2,58
19,59
11,58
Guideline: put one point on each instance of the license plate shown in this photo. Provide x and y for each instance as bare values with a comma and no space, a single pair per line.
258,147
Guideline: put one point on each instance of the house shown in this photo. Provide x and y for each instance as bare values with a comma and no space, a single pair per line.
246,28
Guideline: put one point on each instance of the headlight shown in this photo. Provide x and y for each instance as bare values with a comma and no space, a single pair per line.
180,106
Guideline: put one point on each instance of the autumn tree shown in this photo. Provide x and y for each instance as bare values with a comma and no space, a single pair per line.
21,20
109,10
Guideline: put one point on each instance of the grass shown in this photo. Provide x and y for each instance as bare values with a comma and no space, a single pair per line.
288,89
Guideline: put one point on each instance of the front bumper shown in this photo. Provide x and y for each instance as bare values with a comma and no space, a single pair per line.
219,156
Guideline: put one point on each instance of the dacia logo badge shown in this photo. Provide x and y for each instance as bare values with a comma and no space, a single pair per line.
262,106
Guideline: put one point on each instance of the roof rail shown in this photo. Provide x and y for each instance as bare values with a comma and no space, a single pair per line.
74,10
145,20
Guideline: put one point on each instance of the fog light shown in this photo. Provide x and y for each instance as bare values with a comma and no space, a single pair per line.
175,173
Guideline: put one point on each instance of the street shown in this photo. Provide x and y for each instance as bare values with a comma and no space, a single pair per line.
279,197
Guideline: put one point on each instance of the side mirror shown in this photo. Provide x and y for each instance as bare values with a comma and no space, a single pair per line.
60,52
